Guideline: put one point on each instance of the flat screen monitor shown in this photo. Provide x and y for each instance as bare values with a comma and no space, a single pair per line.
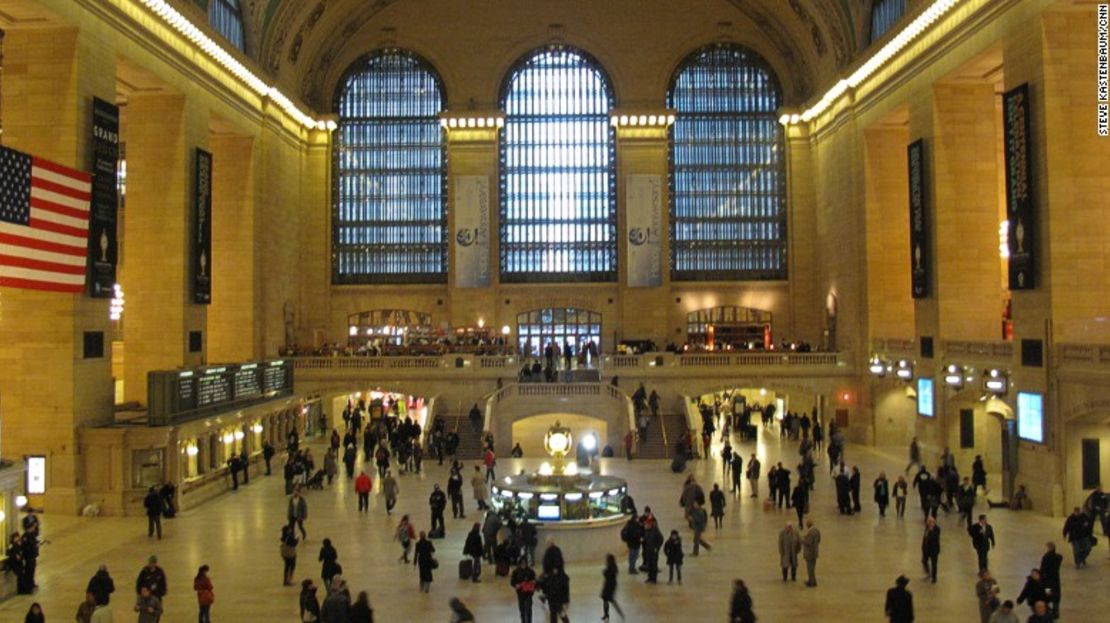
1030,416
548,512
36,475
925,397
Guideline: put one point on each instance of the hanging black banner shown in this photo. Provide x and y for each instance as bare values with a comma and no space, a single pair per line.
1020,211
104,205
202,233
919,232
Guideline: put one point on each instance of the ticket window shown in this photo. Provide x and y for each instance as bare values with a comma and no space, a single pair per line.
148,468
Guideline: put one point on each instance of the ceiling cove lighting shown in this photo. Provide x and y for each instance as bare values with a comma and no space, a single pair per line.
919,24
216,52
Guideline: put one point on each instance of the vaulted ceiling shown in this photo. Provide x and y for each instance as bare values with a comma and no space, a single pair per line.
307,44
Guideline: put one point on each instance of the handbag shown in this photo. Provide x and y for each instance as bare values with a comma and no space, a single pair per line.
433,564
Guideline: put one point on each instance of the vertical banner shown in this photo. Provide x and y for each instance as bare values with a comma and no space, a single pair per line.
104,206
202,230
472,269
1020,211
643,204
919,233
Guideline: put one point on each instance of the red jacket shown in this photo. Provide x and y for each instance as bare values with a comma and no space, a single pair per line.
363,484
203,587
489,459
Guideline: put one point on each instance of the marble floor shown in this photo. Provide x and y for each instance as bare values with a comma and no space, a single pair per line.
860,555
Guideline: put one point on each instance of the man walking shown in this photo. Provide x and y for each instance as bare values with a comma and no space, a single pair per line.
930,548
915,455
437,502
153,505
811,542
152,578
362,488
982,539
297,511
899,602
454,491
698,521
753,475
633,535
1078,530
390,489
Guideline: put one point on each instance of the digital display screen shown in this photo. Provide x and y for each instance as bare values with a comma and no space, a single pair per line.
548,512
247,383
925,397
1030,416
36,475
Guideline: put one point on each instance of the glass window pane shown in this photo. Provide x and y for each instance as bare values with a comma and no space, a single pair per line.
390,206
884,15
227,18
558,210
727,167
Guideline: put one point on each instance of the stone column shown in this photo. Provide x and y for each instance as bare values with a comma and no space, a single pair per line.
163,132
234,334
48,388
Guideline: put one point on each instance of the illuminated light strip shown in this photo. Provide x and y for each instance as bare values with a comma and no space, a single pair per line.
216,52
923,21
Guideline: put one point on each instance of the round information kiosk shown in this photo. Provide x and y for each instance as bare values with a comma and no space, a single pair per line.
580,510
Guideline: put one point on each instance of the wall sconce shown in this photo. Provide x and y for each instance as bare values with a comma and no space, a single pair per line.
256,428
228,438
505,330
20,501
954,376
904,370
878,367
239,435
192,450
996,382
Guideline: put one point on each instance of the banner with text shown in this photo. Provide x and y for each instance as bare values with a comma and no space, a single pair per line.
202,234
919,232
643,206
1020,211
104,205
472,261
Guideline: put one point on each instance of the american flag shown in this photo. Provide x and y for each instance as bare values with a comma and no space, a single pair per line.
44,223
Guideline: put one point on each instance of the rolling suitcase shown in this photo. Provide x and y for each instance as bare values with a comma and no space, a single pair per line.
466,569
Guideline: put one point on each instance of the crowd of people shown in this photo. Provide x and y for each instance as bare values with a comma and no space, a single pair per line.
507,543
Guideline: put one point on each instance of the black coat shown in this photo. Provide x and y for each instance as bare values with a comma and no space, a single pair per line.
556,587
1032,592
673,551
101,586
423,559
609,585
1050,570
740,610
930,542
473,545
899,605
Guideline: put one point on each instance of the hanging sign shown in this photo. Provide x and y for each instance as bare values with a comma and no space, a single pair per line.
644,224
919,233
472,269
1020,211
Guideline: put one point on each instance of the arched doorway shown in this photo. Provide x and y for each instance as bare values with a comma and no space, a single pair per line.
559,325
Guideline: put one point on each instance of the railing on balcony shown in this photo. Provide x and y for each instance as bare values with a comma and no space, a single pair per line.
995,351
899,345
608,363
1097,355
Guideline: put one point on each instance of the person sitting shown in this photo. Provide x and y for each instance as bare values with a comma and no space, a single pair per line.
1018,501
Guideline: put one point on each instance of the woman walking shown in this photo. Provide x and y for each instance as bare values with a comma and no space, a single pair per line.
740,611
717,504
673,551
882,493
202,584
34,614
310,605
329,558
424,561
405,534
361,612
288,554
609,588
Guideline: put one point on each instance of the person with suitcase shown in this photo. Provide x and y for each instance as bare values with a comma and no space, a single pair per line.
472,549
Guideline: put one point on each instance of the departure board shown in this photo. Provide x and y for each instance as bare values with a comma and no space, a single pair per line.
247,383
213,388
181,395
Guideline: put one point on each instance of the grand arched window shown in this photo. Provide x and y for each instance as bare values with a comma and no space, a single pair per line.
884,15
227,18
727,173
389,223
558,175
